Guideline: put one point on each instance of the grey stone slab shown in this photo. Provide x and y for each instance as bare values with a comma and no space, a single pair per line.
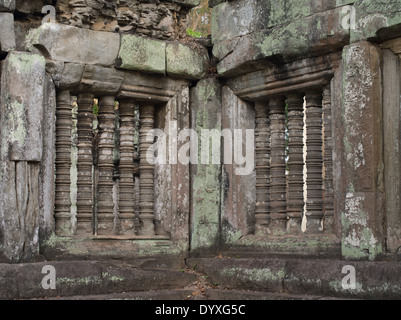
70,44
7,32
47,165
22,98
7,5
186,62
142,54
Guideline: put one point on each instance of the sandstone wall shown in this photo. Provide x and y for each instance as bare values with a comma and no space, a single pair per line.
263,49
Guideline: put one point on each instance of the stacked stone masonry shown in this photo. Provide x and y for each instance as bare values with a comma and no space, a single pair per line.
320,97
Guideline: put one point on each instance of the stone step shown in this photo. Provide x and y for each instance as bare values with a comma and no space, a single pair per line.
320,278
242,295
85,278
187,294
168,295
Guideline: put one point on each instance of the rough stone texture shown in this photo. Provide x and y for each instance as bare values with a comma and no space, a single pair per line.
47,165
238,194
99,80
250,16
22,88
312,277
7,5
22,105
161,20
310,36
185,61
7,33
206,176
142,54
172,209
362,175
69,44
376,19
392,147
154,56
24,281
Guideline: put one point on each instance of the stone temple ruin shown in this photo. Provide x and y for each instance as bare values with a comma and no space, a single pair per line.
86,91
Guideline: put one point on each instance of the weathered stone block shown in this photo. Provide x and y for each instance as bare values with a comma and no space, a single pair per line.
22,90
185,61
307,37
7,33
362,219
188,3
142,54
376,19
19,210
237,18
101,80
7,5
392,146
69,44
206,177
71,75
239,190
47,165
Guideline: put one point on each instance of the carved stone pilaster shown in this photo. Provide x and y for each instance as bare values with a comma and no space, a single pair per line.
262,144
314,161
127,167
106,118
84,165
146,172
278,184
295,205
63,164
328,161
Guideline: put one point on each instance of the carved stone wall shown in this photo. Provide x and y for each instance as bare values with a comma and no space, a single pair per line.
321,99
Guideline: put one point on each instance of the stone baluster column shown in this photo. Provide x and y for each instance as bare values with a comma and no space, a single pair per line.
262,140
146,172
278,183
127,167
328,161
106,118
63,164
295,205
84,165
314,161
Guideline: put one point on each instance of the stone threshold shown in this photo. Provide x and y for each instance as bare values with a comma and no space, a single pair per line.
110,247
302,245
130,237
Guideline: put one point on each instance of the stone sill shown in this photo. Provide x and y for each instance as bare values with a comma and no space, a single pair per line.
303,245
111,247
127,238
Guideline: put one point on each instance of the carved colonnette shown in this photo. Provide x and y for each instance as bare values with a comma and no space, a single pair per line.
294,183
127,167
295,205
85,163
110,206
278,185
328,222
314,160
106,118
63,164
262,168
146,171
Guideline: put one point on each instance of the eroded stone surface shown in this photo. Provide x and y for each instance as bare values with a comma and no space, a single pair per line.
7,33
70,44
